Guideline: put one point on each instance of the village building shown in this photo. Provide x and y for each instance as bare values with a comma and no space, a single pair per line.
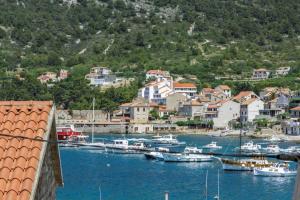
221,92
225,89
295,112
222,112
192,109
270,93
138,110
282,71
173,101
261,74
63,74
291,127
271,108
244,96
188,89
48,77
250,109
30,168
100,76
157,74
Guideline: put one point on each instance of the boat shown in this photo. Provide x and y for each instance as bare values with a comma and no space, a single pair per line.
250,147
278,169
194,150
291,150
65,132
272,149
212,145
184,157
154,155
244,164
167,139
274,138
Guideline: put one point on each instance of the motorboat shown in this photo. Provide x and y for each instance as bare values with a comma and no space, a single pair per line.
65,132
272,149
167,139
278,169
250,147
183,157
274,138
292,150
212,145
244,164
154,155
194,150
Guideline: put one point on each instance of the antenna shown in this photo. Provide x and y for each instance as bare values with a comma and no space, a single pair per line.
93,124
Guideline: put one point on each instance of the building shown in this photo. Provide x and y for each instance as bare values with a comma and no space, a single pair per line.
30,169
291,127
222,112
138,110
63,74
173,101
261,74
157,74
48,77
250,109
156,91
221,92
244,95
224,89
271,108
192,109
295,112
282,71
101,76
189,89
270,93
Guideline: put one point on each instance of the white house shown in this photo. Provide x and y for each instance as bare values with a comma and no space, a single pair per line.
244,96
282,71
224,89
189,89
100,76
250,109
157,74
222,113
260,74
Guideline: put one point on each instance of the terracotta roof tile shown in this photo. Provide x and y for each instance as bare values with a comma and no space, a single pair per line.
19,158
184,85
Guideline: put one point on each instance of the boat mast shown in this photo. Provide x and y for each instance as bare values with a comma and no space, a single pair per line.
218,185
206,184
93,123
241,128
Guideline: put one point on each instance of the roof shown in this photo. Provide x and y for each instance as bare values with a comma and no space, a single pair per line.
260,70
208,90
242,94
20,159
184,85
249,101
296,108
224,87
160,72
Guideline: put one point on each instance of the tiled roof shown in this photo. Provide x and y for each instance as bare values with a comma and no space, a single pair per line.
183,85
224,87
20,158
261,70
242,94
249,101
160,72
296,108
208,90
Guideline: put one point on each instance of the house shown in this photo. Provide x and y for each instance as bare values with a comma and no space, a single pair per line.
222,113
271,109
101,76
138,110
261,74
250,109
63,74
30,168
48,76
224,89
291,127
270,93
244,95
192,108
295,112
156,91
189,89
173,101
157,74
282,71
163,111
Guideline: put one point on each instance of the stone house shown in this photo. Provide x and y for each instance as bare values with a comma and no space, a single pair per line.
261,74
244,96
295,112
30,169
173,101
250,109
224,89
138,110
192,109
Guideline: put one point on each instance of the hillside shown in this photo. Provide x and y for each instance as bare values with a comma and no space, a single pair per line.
206,38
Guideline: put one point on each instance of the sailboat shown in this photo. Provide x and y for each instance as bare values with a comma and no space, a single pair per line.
244,164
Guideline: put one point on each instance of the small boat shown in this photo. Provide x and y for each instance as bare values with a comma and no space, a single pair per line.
183,157
292,150
250,147
167,139
65,132
212,145
272,149
274,138
154,155
278,169
244,164
194,150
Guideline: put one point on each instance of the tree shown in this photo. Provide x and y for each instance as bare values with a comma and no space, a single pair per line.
53,59
140,41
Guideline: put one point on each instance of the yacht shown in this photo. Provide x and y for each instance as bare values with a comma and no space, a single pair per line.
194,150
154,155
274,138
250,147
244,164
183,157
272,149
212,145
278,169
167,139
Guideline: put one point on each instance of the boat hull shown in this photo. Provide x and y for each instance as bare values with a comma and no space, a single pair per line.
258,172
183,158
243,165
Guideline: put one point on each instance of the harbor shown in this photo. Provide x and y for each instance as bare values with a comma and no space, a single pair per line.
102,172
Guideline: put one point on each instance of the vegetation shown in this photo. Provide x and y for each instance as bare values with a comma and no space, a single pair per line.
214,40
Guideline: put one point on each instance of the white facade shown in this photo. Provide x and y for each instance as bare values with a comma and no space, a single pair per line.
188,89
260,74
250,109
226,112
157,74
282,71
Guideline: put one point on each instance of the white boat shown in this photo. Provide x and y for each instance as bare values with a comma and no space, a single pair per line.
250,147
194,150
274,138
292,150
212,145
167,139
244,164
279,169
272,149
178,157
154,155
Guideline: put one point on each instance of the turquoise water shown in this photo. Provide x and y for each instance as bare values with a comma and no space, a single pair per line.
87,173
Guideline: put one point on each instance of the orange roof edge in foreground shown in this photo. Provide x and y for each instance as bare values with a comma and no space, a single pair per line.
23,158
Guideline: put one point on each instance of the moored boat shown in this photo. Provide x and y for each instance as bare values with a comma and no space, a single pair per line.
194,150
278,169
182,157
250,147
244,164
154,155
272,149
65,132
212,145
167,139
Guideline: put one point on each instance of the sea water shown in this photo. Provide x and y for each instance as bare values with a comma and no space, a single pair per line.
92,174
